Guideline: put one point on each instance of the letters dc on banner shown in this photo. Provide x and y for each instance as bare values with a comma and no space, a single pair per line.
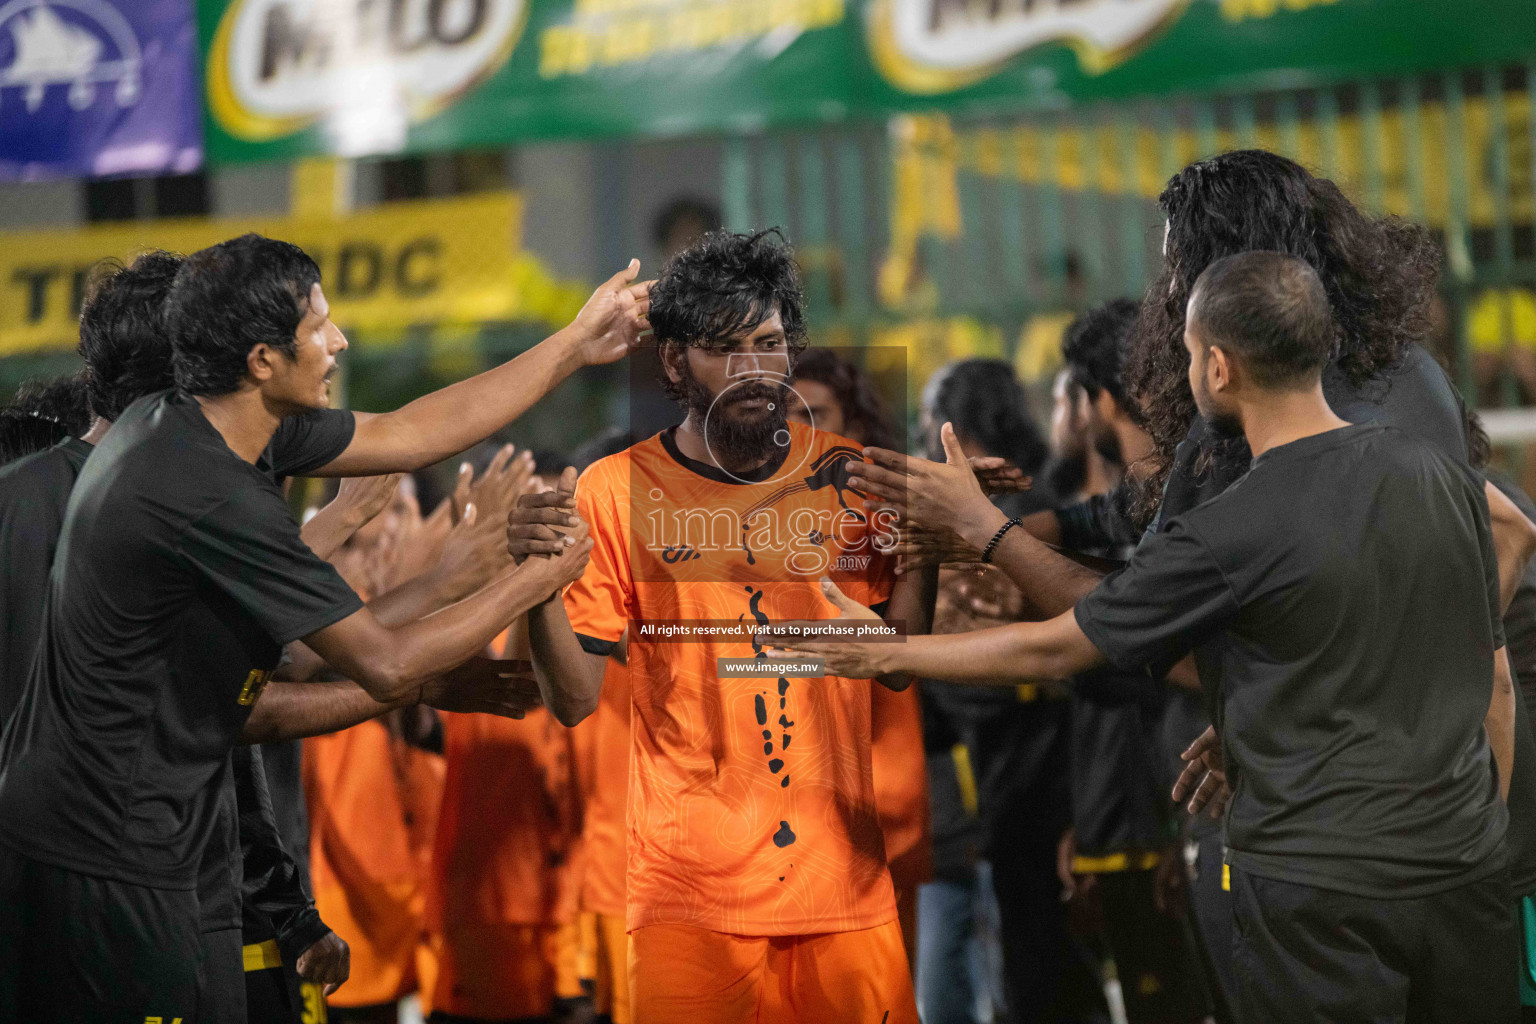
432,261
92,88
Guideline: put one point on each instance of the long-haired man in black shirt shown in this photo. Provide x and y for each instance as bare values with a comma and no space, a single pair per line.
179,576
1342,602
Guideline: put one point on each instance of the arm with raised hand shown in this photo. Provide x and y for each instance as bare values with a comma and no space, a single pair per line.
359,499
453,418
948,496
391,663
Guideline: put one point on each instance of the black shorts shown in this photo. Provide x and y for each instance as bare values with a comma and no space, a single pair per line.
1302,954
77,949
1157,969
221,979
276,993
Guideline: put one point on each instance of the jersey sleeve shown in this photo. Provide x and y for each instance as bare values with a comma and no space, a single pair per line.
249,548
1171,596
598,604
305,442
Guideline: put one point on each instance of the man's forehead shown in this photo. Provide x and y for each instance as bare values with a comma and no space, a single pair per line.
771,327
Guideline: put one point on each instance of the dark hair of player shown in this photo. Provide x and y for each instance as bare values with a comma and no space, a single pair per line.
863,415
123,337
1268,310
1379,275
726,284
59,400
228,299
1096,346
988,406
21,434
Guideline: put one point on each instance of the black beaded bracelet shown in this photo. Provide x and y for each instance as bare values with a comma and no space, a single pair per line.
997,538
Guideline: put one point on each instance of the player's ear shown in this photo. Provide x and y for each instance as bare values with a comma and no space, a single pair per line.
672,357
1218,368
261,362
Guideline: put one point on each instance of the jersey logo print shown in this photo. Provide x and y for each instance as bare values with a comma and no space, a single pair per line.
680,553
831,469
254,684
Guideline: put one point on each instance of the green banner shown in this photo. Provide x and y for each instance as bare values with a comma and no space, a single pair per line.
287,78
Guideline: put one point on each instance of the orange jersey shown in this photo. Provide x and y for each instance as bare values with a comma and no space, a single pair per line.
509,819
751,803
603,830
372,809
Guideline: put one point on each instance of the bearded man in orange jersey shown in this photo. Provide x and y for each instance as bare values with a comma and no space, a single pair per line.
757,879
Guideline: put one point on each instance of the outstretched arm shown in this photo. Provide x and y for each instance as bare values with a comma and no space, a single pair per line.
1054,649
948,496
391,663
452,419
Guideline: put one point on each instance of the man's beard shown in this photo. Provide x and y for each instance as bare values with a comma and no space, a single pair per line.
732,440
1223,426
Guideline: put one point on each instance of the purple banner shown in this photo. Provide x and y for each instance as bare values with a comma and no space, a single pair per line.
98,88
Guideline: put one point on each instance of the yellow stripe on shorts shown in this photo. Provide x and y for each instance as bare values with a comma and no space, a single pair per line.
262,956
1226,878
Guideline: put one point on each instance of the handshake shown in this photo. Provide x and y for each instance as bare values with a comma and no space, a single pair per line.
544,525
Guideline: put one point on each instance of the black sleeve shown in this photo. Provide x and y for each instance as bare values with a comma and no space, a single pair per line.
1101,521
249,547
273,901
1170,597
306,441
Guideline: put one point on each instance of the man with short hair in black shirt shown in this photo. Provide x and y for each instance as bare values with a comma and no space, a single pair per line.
264,902
179,576
1342,602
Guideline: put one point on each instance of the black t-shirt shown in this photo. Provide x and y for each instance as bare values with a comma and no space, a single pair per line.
33,494
179,574
1119,789
1342,603
1415,396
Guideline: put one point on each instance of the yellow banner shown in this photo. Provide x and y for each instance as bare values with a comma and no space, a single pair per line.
433,261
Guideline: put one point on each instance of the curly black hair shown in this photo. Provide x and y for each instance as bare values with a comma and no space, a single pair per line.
123,336
60,400
41,414
987,404
1096,345
1379,274
863,415
229,298
726,284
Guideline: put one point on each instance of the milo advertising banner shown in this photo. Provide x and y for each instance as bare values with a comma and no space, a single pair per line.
293,77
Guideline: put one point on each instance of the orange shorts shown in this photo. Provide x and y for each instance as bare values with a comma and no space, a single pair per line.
495,971
684,975
611,974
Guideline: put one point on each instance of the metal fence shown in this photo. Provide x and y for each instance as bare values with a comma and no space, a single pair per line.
985,233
